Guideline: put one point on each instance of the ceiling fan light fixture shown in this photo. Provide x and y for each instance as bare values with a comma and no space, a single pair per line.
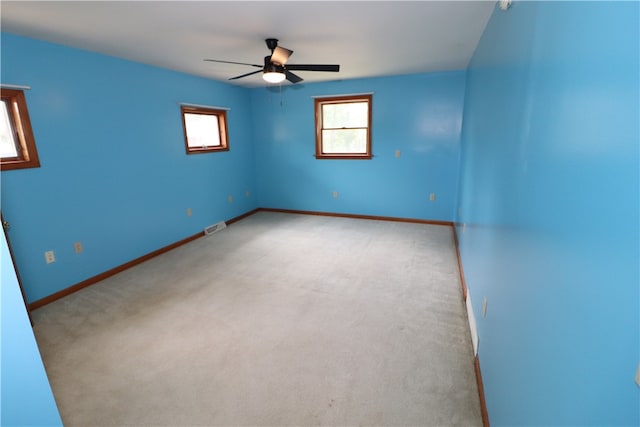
273,77
273,73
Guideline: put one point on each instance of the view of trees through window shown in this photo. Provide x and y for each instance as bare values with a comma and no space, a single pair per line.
343,127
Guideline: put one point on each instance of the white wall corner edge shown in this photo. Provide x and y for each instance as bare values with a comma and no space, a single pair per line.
472,324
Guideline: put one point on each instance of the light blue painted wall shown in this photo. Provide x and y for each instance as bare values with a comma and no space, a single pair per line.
420,115
25,395
549,185
114,172
550,198
115,177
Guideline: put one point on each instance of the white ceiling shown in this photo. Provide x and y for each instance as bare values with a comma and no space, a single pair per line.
367,38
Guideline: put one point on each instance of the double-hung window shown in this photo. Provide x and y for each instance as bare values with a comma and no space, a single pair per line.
17,145
343,127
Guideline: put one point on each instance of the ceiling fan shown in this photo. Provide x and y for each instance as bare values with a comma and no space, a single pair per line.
275,68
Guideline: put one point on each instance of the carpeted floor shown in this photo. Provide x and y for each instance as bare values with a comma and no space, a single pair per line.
279,319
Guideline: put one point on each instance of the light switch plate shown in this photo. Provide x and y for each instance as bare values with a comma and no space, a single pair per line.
638,375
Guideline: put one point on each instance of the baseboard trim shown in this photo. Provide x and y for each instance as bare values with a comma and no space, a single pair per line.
243,216
463,283
483,402
112,272
356,216
476,360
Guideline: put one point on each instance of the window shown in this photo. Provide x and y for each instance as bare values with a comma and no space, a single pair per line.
205,129
17,146
343,127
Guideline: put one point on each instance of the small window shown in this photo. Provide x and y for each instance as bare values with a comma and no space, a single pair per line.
205,129
17,145
343,127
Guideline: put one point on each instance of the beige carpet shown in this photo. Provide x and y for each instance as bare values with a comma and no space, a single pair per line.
279,319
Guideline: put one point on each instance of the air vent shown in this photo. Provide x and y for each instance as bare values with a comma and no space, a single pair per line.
215,228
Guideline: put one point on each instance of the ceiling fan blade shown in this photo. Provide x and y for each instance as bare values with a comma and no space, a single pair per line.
231,62
292,77
245,75
280,55
313,67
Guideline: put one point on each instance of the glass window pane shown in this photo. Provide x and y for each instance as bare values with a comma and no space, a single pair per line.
7,137
347,115
348,141
202,130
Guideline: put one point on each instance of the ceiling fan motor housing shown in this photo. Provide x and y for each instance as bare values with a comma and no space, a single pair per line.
273,68
271,44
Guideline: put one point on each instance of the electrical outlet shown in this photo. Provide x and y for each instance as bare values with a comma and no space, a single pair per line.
247,193
230,198
464,227
638,375
432,197
49,257
77,246
335,194
189,212
484,307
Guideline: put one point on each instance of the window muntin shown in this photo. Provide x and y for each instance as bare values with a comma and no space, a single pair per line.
205,129
17,145
343,127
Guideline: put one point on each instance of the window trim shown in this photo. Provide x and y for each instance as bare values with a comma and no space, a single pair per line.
21,125
222,128
319,102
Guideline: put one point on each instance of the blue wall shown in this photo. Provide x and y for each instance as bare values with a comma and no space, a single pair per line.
420,115
549,212
547,204
115,177
114,172
25,394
